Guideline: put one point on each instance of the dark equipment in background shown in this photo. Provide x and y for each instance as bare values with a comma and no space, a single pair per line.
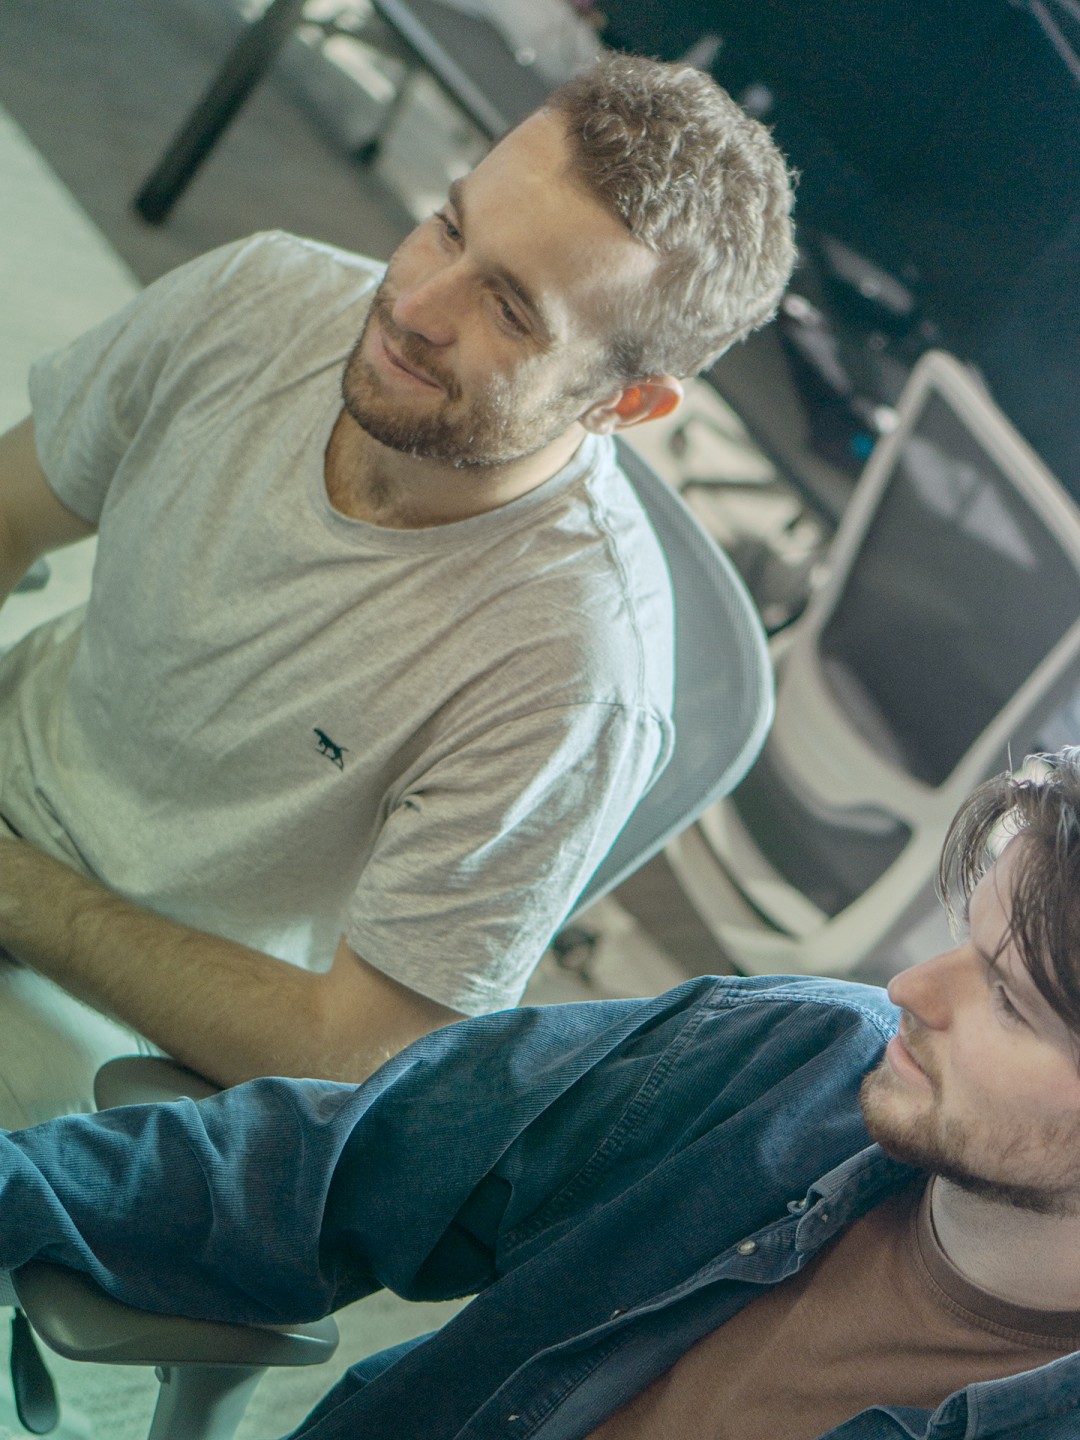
919,665
938,144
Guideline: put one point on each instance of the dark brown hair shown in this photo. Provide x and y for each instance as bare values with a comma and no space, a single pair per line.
702,184
1041,804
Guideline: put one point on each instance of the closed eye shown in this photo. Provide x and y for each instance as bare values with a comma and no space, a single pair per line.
449,229
510,316
1004,1005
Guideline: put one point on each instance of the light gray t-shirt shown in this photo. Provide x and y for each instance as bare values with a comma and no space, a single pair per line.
277,723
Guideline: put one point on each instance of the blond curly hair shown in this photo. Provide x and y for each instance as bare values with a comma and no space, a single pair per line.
703,185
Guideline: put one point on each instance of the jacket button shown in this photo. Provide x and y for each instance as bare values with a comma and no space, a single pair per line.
746,1247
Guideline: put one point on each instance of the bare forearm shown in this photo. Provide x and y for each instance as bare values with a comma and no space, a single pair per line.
223,1009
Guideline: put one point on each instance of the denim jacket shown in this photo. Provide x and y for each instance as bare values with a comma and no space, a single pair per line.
611,1181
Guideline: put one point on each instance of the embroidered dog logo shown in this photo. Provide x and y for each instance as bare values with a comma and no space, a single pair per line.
334,753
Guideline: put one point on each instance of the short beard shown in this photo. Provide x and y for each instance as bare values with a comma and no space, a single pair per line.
489,432
927,1143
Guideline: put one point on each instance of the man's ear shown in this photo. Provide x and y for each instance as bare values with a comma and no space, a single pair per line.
647,399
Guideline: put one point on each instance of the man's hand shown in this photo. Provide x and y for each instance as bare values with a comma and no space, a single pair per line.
227,1011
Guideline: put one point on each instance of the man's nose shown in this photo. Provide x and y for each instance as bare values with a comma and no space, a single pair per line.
427,308
930,989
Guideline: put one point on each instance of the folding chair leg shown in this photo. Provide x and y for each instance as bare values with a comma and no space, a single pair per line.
202,1402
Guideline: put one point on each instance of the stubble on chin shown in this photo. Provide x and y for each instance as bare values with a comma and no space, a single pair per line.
905,1125
506,420
493,430
882,1102
391,425
920,1136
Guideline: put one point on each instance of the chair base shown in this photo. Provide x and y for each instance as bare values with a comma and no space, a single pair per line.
203,1401
72,1426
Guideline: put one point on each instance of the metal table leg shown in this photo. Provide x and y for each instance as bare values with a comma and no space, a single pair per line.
247,63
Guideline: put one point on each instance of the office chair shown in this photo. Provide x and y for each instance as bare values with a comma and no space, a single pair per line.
723,702
207,1370
722,709
943,640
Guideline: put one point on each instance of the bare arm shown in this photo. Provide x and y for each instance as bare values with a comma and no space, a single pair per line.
32,519
225,1010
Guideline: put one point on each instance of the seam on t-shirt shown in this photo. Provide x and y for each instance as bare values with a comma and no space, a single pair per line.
620,567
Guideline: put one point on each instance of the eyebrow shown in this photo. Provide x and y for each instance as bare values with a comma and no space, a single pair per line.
456,196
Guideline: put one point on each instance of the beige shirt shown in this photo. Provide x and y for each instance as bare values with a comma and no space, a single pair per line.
879,1317
278,723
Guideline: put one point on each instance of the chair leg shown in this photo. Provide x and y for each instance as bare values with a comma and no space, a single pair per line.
202,1402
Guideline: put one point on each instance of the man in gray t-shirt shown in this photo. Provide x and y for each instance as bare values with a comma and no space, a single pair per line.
377,659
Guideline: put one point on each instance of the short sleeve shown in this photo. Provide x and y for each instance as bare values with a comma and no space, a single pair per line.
89,398
486,852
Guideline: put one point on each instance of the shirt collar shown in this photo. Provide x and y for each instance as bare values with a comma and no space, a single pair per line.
844,1193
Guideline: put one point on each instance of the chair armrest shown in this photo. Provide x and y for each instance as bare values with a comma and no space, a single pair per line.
76,1318
147,1080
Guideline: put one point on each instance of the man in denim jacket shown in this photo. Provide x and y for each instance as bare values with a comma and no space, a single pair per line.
669,1210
